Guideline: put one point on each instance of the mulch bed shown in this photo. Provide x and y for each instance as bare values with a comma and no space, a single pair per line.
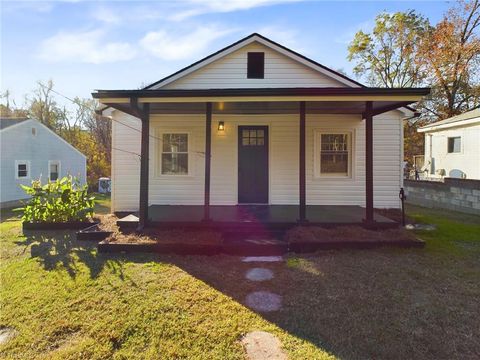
208,242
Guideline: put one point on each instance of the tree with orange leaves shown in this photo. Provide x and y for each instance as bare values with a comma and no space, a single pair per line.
450,52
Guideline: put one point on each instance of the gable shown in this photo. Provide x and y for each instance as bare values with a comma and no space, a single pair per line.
227,68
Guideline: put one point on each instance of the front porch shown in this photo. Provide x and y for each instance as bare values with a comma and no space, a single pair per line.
259,217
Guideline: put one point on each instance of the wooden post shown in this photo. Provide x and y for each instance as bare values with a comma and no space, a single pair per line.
208,156
144,164
302,176
369,163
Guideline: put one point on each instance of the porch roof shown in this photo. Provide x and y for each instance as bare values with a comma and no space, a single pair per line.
263,100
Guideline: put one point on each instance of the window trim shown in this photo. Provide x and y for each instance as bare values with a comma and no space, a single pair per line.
159,152
59,169
317,158
249,74
22,162
448,144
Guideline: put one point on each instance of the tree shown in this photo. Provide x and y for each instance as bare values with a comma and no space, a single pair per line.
450,52
387,55
9,111
43,107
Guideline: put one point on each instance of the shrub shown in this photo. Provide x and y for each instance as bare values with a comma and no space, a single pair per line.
58,201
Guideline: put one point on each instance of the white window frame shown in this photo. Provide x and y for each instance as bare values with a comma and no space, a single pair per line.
59,168
159,152
317,138
22,162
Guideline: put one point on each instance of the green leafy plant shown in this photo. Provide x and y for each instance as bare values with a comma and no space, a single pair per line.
62,200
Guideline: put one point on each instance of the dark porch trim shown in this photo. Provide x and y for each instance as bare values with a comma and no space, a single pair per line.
208,158
302,166
369,162
299,91
144,115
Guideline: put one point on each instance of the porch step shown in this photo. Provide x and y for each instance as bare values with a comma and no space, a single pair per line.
254,246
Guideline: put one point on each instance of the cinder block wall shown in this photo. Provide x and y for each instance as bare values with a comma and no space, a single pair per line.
453,194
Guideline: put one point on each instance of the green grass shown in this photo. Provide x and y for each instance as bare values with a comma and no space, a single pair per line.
69,302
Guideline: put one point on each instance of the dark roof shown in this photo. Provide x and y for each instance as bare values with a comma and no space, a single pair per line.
7,122
335,91
242,40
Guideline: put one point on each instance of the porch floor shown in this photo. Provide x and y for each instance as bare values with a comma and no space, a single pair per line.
275,216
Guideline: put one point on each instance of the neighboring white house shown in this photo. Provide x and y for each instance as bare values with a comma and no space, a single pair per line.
452,147
259,102
29,151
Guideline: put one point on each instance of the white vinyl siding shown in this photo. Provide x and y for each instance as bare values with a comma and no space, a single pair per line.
17,142
231,72
283,160
455,164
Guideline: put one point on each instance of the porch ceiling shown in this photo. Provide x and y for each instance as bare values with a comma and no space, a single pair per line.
270,107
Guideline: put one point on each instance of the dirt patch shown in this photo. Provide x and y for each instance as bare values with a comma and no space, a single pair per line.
261,345
346,233
394,214
152,236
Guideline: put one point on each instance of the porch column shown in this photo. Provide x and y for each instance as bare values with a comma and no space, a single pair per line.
368,163
302,177
208,155
144,164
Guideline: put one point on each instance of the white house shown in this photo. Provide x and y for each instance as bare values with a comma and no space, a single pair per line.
256,133
452,147
30,150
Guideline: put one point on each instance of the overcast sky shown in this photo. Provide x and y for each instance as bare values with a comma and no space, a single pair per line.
87,45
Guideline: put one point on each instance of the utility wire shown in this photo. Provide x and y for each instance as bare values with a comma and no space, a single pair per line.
117,121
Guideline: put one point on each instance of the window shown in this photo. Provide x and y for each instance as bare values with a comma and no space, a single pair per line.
53,170
174,154
454,144
253,137
22,169
255,65
333,154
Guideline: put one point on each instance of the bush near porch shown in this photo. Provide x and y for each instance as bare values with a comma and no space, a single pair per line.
65,300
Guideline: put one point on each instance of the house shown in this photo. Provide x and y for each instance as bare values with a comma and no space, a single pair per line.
452,147
256,133
29,151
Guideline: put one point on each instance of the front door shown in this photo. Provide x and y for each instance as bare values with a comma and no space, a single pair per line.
253,164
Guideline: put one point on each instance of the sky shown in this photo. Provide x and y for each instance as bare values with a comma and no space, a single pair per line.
88,45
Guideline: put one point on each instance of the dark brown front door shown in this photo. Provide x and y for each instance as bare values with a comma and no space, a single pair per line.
253,164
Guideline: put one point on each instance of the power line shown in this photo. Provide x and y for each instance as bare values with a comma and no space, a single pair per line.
117,121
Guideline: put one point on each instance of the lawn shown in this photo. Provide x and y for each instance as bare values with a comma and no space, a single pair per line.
65,300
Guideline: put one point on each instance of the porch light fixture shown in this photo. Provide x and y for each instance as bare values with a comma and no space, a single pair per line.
221,126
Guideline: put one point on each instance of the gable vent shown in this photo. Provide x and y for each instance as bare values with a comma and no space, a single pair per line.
256,65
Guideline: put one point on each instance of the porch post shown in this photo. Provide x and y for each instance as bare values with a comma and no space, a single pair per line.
144,163
368,163
302,177
208,155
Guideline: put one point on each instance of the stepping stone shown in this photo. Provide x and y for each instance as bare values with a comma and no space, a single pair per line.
6,334
426,227
261,345
262,259
264,301
259,274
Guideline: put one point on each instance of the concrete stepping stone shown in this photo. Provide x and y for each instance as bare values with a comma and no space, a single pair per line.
262,259
261,345
6,334
264,301
259,274
426,227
